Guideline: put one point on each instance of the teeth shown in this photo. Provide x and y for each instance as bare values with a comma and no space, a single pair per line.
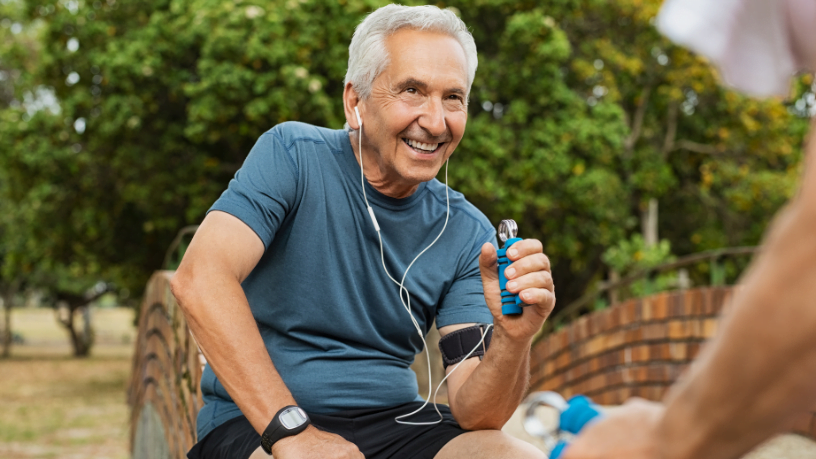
423,146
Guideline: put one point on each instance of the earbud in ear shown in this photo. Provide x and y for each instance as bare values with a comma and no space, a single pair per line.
359,120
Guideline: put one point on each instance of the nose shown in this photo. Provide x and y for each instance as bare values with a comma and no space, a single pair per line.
432,118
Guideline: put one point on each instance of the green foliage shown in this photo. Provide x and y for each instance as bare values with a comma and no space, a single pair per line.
633,255
579,114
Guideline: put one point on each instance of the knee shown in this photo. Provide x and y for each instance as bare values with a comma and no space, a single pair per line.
493,444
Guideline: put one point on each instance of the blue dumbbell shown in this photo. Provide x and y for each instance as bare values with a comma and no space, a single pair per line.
575,415
511,303
580,412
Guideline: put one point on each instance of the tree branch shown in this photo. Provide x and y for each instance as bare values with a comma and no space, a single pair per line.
696,147
637,121
671,128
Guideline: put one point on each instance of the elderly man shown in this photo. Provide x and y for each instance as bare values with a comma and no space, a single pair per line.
290,286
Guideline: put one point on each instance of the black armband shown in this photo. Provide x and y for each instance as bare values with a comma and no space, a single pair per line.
456,345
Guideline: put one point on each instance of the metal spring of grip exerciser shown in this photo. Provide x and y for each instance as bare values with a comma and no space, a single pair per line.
511,303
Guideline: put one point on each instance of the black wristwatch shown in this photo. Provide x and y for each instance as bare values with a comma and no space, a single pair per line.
290,420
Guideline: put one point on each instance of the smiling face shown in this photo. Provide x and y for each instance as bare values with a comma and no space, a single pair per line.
416,113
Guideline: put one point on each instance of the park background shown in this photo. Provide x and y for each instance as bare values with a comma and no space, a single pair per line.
121,121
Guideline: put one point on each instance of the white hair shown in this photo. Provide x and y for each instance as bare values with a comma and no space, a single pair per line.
368,56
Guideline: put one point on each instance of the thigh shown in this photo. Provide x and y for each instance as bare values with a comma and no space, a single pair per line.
380,436
493,444
234,439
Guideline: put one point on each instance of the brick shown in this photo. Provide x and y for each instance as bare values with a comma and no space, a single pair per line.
628,375
660,308
678,351
614,378
623,394
719,296
562,362
596,382
603,320
654,331
642,374
626,356
710,327
594,365
675,305
715,300
595,345
628,313
549,367
691,302
640,353
634,335
646,311
581,328
676,330
655,373
614,317
656,352
614,340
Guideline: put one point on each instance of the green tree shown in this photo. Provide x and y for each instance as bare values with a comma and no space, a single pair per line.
580,114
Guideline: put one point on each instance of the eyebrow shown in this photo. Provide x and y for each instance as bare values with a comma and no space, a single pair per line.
411,81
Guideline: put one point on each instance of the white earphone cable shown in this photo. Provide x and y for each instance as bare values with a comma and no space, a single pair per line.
406,301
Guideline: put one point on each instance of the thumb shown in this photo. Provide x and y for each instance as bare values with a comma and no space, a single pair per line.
489,268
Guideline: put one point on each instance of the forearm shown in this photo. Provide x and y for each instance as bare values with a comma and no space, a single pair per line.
219,317
758,372
492,392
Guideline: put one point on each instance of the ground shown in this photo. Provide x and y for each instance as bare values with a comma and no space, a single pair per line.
55,406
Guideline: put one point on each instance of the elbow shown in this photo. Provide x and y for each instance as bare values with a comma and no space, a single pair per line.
480,419
181,286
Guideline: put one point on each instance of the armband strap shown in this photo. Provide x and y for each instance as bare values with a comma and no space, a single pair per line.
456,345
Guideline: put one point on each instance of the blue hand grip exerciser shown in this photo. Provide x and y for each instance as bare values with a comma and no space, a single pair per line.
511,303
575,415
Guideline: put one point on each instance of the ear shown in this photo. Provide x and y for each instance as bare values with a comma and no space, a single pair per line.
350,100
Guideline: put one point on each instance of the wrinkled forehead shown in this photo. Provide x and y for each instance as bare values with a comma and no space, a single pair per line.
427,56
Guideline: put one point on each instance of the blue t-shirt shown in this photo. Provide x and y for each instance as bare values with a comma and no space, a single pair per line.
330,317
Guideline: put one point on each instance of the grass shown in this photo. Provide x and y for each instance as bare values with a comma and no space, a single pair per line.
55,406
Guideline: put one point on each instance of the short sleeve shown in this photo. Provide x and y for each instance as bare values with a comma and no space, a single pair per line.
264,190
464,302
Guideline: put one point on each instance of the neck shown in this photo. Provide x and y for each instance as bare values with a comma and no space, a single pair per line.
377,174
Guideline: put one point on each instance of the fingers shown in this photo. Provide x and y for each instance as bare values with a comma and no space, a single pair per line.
535,279
525,248
489,268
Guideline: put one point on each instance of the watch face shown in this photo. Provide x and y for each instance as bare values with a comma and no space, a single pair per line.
293,417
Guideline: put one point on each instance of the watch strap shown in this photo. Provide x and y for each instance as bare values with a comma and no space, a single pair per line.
275,431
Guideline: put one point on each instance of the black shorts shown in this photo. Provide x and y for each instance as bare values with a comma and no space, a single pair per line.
374,431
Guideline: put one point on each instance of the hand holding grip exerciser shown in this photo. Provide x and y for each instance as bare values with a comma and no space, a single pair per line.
574,415
511,303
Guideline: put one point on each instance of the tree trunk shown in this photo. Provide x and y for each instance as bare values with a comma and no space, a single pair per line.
649,223
7,299
81,340
6,332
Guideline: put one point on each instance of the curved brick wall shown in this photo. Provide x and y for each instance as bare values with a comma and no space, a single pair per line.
635,348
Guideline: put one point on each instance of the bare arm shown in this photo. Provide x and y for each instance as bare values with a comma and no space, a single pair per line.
484,394
208,288
754,377
757,374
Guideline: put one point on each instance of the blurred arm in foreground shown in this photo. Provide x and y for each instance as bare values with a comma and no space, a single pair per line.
756,376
